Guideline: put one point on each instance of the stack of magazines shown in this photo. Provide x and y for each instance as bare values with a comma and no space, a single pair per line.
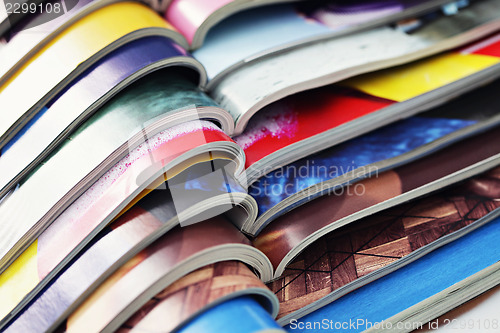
248,166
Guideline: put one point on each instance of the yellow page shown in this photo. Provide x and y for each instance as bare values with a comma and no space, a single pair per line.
404,82
73,46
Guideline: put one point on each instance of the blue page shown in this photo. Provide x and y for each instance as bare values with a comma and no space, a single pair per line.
409,285
239,315
387,142
253,31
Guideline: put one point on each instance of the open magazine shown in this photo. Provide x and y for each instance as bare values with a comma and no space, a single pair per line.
471,262
136,115
36,30
144,109
140,166
369,249
245,90
172,174
57,119
60,64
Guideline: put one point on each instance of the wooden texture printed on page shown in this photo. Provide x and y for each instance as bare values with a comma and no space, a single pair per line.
376,241
287,231
190,294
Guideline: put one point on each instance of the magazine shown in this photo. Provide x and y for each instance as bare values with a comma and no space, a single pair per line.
72,52
371,249
433,37
468,275
480,308
405,237
22,155
37,30
121,135
408,181
164,174
246,90
286,26
93,89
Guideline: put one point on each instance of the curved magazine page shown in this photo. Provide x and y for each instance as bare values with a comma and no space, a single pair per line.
161,99
299,182
300,117
178,253
24,217
166,94
245,91
482,309
285,26
350,203
147,220
394,84
197,292
84,96
447,299
71,53
472,257
241,315
38,29
193,18
289,129
190,191
377,245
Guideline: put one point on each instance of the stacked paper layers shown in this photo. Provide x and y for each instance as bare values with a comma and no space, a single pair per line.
249,166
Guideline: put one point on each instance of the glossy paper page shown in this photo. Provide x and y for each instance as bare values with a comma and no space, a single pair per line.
429,74
60,57
295,118
117,122
343,256
104,79
193,293
287,232
414,283
118,291
102,201
188,15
